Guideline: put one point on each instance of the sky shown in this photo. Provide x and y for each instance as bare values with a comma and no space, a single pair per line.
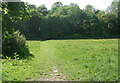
98,4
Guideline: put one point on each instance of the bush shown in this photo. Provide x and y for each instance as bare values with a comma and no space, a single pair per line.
15,44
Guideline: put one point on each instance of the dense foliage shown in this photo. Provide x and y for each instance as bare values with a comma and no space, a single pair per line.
69,21
13,43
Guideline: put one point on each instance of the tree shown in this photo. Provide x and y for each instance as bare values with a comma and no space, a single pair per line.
112,11
32,7
91,25
89,8
13,43
103,18
12,11
42,9
113,8
55,6
119,17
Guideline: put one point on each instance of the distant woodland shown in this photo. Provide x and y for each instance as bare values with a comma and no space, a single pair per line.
62,21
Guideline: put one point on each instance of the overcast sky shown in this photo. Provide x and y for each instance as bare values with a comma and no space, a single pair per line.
98,4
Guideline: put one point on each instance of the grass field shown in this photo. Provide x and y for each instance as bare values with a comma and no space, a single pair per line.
83,60
21,70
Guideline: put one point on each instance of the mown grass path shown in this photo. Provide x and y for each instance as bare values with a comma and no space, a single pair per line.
47,51
54,75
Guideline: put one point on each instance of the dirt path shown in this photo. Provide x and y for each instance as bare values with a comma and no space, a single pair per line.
54,75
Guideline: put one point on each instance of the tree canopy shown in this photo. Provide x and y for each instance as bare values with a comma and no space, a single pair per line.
64,21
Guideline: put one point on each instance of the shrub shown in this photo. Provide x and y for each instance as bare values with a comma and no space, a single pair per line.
15,44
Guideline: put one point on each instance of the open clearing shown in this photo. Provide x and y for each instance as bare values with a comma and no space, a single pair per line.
66,60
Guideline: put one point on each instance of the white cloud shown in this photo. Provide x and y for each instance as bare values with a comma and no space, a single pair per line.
98,4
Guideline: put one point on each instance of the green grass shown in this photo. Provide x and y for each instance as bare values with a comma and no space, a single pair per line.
87,59
22,70
83,60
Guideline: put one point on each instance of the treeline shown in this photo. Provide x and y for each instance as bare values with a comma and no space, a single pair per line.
69,21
